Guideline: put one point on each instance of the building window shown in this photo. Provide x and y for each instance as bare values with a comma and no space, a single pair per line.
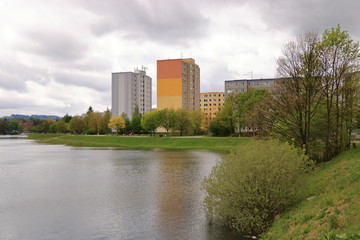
229,91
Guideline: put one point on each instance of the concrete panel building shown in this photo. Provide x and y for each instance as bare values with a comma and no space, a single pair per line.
210,104
130,89
178,84
242,85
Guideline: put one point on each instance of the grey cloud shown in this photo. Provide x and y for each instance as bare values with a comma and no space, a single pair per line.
175,22
55,46
310,15
13,76
101,84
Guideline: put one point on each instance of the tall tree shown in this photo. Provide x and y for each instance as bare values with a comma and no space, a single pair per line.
167,119
182,120
127,127
136,121
151,121
298,95
340,61
67,118
196,118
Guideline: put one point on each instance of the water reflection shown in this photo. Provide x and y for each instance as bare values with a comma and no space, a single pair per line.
59,192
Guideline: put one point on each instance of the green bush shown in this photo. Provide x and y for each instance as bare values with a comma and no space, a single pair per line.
253,184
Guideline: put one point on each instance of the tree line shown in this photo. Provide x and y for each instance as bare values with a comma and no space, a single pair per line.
309,116
170,120
315,101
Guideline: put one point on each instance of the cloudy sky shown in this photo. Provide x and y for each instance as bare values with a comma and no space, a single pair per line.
57,56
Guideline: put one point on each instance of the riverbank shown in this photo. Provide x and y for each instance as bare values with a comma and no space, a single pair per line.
331,206
209,143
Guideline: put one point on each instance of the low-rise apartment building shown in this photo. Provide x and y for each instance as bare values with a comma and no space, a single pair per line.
242,85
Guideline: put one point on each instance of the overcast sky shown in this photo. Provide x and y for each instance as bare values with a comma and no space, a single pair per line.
57,56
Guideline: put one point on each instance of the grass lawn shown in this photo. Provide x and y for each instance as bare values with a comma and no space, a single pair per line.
210,143
331,206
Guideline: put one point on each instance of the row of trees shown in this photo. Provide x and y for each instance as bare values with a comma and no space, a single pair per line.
314,109
315,102
179,120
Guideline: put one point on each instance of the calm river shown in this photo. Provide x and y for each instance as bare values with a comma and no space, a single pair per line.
59,192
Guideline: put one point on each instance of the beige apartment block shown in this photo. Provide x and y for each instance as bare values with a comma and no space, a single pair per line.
210,104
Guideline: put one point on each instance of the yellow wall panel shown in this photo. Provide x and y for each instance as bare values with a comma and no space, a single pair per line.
169,102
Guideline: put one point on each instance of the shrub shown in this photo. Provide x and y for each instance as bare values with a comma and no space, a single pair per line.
253,184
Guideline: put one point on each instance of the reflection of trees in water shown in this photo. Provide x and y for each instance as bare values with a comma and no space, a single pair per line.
177,193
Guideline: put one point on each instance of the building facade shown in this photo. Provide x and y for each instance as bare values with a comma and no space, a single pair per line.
239,86
178,84
130,89
210,104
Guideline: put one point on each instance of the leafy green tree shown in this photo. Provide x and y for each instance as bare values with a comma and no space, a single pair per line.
136,121
13,125
196,118
218,127
58,127
117,123
77,125
253,184
298,97
341,57
94,122
46,123
67,118
182,120
167,119
246,103
151,121
104,128
3,126
127,127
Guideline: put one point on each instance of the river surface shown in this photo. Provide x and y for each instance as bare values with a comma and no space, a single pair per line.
59,192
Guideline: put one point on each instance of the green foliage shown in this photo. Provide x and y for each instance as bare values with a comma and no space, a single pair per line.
67,118
151,121
182,120
77,125
58,127
127,127
196,118
253,184
136,121
218,127
2,126
346,236
167,119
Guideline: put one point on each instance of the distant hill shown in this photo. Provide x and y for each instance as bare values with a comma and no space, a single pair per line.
41,117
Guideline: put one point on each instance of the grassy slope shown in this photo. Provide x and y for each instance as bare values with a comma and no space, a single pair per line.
332,204
211,143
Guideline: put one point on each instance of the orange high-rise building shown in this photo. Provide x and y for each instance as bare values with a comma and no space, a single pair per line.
178,84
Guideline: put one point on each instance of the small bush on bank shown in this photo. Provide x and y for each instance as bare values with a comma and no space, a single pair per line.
253,184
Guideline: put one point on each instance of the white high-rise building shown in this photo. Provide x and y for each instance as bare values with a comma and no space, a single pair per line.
128,90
